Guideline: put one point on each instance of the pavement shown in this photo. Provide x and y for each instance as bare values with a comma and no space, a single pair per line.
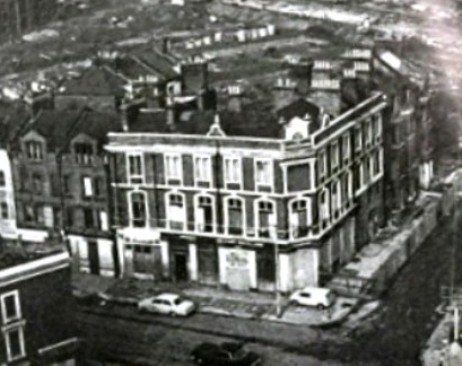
246,305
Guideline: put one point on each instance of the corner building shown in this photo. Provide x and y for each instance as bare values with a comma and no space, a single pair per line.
236,199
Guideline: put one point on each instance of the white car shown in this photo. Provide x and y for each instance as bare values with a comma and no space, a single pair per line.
169,304
319,297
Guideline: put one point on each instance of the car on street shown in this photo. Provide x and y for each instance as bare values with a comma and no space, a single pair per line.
169,304
224,354
321,298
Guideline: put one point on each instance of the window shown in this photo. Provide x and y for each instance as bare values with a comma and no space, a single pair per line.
173,168
10,306
368,132
233,170
135,169
4,214
37,183
83,153
67,183
377,126
103,221
34,150
204,214
14,342
299,218
358,139
235,217
202,168
87,187
29,213
266,219
2,179
336,198
334,155
346,148
324,212
263,172
138,209
176,211
88,218
396,135
322,165
376,163
99,186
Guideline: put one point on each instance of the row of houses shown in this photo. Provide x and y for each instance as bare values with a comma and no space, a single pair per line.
242,198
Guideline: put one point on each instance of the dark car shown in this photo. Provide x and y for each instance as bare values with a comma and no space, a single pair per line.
225,354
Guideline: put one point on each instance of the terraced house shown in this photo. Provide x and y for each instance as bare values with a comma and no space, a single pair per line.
238,198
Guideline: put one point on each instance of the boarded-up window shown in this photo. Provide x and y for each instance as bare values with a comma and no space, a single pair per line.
298,177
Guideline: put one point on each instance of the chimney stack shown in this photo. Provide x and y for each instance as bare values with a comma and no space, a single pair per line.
235,95
325,88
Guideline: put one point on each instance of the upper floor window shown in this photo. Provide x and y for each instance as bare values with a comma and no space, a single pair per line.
334,154
322,165
263,172
266,219
14,343
202,168
235,216
2,179
336,198
34,150
376,163
135,169
324,211
138,209
83,153
11,307
377,126
4,214
205,214
368,126
299,221
346,147
358,139
173,168
176,211
233,170
37,183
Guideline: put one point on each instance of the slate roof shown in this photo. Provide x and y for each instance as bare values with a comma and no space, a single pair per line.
299,108
13,118
96,80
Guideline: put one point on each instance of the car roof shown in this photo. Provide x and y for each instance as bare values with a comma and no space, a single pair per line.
167,296
319,290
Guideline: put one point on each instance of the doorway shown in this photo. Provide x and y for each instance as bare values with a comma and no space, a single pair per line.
181,267
93,257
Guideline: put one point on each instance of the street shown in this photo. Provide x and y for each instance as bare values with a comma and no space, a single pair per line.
392,336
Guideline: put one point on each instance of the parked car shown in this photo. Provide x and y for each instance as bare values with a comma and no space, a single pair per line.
170,304
225,354
319,297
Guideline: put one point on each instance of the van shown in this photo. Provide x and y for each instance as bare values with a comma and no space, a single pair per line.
319,297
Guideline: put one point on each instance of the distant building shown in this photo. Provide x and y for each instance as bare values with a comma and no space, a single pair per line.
214,198
61,186
20,16
37,311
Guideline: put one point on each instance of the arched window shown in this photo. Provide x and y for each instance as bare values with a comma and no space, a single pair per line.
2,179
336,198
205,214
235,219
176,211
266,218
300,218
138,209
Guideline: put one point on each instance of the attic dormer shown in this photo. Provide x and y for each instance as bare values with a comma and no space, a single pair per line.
298,128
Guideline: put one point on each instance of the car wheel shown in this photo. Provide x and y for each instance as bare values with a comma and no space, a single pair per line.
172,314
293,302
320,307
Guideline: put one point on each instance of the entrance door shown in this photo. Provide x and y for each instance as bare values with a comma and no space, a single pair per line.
181,267
93,257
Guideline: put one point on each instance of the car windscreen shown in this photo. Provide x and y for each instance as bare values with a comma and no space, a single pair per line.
178,301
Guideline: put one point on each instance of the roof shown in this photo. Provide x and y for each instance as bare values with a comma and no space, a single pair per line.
249,123
13,118
167,296
299,108
54,126
96,125
97,80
